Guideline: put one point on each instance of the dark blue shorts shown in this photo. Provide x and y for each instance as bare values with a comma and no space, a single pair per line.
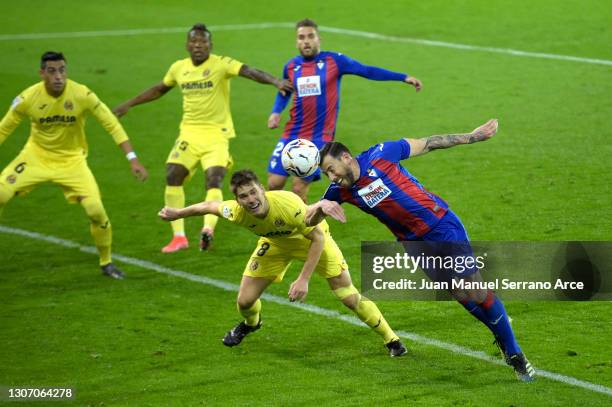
276,167
447,240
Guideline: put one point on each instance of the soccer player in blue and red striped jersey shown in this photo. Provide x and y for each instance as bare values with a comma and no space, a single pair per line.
316,77
378,184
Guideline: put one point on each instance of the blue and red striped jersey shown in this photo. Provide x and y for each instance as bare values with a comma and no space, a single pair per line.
388,191
316,99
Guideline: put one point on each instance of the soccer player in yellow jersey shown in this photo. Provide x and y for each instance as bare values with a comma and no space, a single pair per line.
56,150
206,128
278,217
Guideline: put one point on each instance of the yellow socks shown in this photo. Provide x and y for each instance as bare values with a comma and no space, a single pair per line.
210,221
174,197
251,315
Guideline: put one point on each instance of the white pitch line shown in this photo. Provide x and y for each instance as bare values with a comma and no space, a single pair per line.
224,285
336,30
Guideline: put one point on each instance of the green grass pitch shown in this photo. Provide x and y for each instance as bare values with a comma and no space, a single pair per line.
154,339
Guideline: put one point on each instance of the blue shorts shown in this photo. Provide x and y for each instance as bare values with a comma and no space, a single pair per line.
276,167
447,240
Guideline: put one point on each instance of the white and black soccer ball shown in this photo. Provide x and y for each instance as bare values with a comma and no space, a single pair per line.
300,157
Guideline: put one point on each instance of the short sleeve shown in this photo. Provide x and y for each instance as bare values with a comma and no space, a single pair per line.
170,77
232,67
394,151
230,210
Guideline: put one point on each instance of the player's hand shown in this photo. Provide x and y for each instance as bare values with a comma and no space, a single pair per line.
298,290
273,120
169,214
333,209
121,110
412,81
486,131
139,171
285,87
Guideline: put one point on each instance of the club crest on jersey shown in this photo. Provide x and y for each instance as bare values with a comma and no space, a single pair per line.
11,179
68,105
309,86
206,73
254,265
372,173
227,212
279,222
374,193
320,64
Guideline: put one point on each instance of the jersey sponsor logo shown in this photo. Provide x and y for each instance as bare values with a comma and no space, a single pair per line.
16,102
227,212
58,118
381,146
41,107
309,86
68,105
374,193
297,213
297,68
197,85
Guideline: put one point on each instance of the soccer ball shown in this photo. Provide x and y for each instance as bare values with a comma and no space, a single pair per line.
300,157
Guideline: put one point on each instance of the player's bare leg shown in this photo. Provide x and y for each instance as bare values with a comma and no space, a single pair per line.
214,179
175,198
276,182
300,188
366,310
249,306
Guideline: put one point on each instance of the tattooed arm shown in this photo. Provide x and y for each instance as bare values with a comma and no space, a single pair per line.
427,144
284,86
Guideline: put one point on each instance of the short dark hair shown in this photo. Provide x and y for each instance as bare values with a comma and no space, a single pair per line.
201,28
307,22
333,148
51,56
243,177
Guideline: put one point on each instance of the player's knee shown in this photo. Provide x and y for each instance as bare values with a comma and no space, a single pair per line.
349,296
276,183
175,175
95,211
245,302
214,180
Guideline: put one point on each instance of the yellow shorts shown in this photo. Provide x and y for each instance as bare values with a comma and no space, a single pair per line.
271,260
211,151
29,169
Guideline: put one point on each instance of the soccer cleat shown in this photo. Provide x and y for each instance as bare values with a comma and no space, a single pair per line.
177,243
500,345
111,270
206,238
396,348
523,369
237,334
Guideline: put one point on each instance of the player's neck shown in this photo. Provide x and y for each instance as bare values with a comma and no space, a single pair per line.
54,93
355,169
198,63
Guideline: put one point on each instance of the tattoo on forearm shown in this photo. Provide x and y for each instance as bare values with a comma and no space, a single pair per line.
256,75
450,140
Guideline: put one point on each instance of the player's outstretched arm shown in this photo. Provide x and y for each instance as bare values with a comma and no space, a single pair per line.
138,170
425,145
148,95
9,123
202,208
299,288
284,86
316,212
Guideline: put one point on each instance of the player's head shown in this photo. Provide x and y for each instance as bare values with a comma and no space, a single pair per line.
53,71
307,38
249,192
338,164
199,43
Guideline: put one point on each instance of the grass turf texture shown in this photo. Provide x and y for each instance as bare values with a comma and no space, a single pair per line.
154,339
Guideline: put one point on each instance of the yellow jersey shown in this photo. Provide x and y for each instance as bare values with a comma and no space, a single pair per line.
206,95
58,123
283,225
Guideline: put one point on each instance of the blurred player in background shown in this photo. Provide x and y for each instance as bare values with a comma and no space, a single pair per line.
56,150
278,218
316,77
376,183
206,128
